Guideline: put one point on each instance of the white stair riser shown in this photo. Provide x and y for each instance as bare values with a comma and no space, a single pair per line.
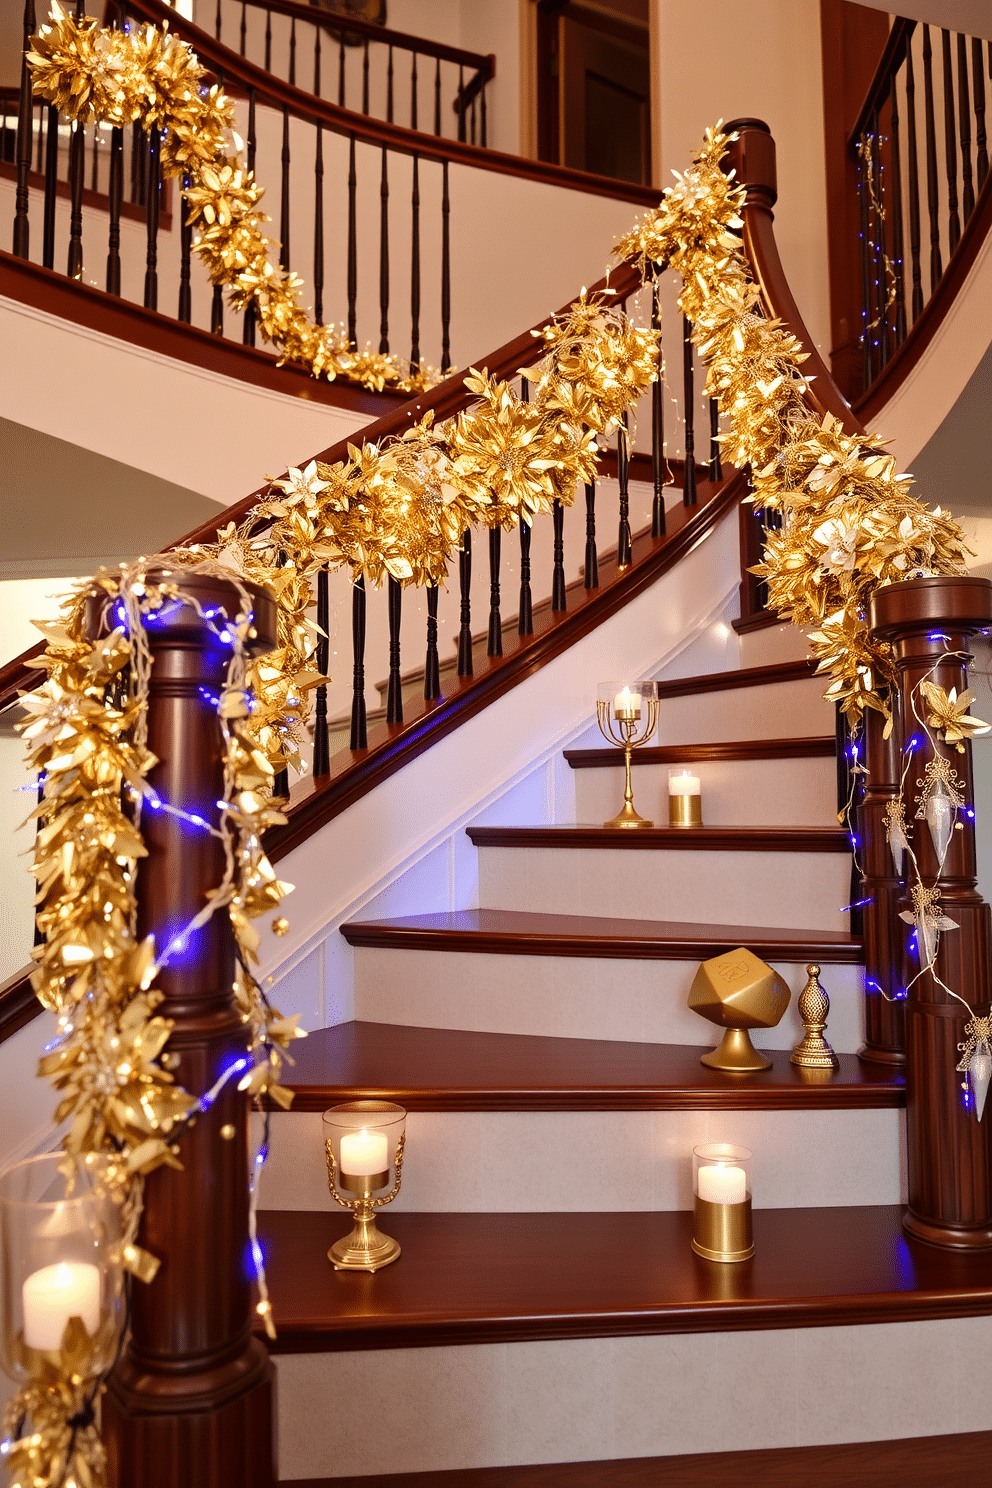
576,997
787,889
589,1399
775,710
784,642
590,1161
735,793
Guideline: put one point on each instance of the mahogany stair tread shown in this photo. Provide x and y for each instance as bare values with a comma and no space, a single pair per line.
448,1069
508,1278
646,839
525,933
819,747
759,676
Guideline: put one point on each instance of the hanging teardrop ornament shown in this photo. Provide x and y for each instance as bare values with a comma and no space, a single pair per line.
940,812
979,1075
926,939
895,825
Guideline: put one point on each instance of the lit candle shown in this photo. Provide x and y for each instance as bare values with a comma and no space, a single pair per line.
684,784
364,1153
722,1185
627,705
55,1294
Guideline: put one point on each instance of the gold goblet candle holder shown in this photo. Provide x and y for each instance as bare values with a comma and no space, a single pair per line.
363,1146
721,1186
61,1247
627,714
685,801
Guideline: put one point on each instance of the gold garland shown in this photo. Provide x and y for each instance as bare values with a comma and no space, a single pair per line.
849,522
147,76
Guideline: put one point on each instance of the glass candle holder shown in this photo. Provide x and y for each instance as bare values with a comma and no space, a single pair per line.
60,1238
627,714
363,1148
685,800
721,1186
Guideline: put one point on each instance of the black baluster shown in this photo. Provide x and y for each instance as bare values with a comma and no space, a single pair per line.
77,145
483,139
151,221
558,599
321,746
413,89
415,266
41,123
867,351
251,314
465,591
244,22
881,256
472,128
964,121
51,192
494,645
931,135
914,186
318,229
432,668
895,209
217,311
389,88
352,246
185,313
316,61
268,41
284,202
25,125
365,77
978,85
115,199
716,464
460,101
137,166
950,147
292,53
359,724
394,693
437,95
689,474
95,167
525,616
445,271
657,427
217,21
592,557
341,72
624,550
384,254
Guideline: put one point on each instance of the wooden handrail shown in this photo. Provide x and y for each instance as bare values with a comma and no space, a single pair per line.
891,59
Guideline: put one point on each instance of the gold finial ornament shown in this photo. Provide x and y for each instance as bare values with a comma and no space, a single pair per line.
813,1051
738,991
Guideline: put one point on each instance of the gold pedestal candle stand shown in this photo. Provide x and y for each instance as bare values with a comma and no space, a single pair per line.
627,714
360,1135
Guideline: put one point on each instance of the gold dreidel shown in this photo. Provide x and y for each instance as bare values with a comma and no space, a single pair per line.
363,1142
738,991
721,1187
812,1050
627,714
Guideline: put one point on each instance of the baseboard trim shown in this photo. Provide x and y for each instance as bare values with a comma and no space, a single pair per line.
910,1462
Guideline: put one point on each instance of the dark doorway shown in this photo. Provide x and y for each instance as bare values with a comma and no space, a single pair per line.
594,86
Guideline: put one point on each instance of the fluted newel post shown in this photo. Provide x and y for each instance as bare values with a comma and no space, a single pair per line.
190,1403
884,940
949,1151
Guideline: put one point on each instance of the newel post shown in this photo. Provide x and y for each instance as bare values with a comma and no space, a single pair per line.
190,1404
949,1151
883,931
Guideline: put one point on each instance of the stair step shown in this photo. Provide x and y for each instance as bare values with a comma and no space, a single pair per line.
444,1069
744,703
510,1278
761,676
680,839
817,747
911,1462
525,933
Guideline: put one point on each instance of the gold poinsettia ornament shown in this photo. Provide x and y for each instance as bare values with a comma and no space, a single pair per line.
947,712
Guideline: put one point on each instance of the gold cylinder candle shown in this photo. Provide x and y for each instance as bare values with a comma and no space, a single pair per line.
721,1184
685,801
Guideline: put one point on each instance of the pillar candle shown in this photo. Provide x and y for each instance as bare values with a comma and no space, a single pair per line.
627,705
53,1295
364,1153
722,1185
684,784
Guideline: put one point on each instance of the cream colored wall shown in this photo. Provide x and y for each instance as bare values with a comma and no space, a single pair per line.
759,59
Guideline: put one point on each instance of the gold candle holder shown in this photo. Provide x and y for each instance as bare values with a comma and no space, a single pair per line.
627,714
358,1137
685,801
721,1185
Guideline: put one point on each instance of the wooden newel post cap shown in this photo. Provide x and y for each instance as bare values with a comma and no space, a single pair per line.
962,604
203,604
752,157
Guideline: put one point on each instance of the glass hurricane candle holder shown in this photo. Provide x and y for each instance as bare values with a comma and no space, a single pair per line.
363,1146
60,1239
627,714
685,801
721,1187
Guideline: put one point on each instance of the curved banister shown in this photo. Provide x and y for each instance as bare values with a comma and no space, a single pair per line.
238,70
